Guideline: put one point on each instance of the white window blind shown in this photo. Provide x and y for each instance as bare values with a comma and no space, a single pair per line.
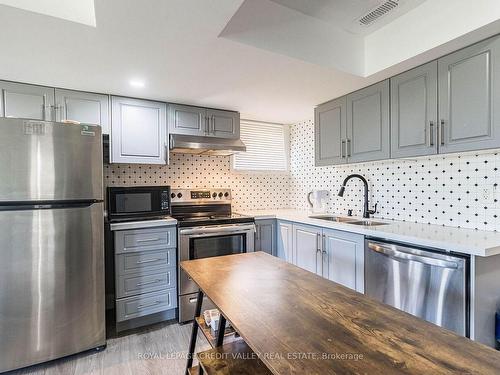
267,148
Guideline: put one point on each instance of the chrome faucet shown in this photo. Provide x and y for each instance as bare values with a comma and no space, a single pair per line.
366,212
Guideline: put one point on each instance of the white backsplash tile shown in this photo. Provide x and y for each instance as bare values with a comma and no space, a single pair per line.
446,190
250,190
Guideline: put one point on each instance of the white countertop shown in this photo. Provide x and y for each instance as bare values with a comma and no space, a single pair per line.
141,224
467,241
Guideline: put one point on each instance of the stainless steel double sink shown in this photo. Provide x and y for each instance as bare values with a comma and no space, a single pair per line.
348,220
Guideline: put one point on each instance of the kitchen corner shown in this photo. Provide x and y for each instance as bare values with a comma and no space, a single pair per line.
250,187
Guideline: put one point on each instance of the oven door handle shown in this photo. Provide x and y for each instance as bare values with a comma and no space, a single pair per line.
217,229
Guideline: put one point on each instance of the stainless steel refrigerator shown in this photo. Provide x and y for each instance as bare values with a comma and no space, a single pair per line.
51,241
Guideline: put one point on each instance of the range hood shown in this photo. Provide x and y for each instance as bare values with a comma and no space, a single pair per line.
191,144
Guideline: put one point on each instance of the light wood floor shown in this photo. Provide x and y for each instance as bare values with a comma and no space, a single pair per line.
159,349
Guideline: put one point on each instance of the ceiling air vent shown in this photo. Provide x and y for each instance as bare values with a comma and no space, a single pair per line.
378,12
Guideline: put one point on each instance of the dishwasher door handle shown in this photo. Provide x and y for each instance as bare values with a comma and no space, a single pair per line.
400,255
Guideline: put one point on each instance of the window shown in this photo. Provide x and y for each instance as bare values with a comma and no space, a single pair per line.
267,147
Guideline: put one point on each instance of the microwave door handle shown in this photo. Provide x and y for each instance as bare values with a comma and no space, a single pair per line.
399,255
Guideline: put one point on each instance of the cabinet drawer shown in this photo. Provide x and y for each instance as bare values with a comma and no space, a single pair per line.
144,261
144,239
144,282
150,303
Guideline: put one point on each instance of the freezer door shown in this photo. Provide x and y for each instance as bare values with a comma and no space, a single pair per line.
51,283
49,161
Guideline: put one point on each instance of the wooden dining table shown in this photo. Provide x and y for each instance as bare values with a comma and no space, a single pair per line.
299,323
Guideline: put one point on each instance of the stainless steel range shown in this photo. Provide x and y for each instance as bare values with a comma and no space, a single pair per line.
207,227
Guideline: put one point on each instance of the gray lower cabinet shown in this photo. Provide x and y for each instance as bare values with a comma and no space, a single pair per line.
330,132
414,112
343,258
469,93
368,123
265,236
187,120
332,254
84,107
145,271
223,124
20,100
138,131
145,304
284,246
307,244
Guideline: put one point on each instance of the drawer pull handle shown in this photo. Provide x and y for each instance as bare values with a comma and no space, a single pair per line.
148,261
194,299
148,305
149,239
149,282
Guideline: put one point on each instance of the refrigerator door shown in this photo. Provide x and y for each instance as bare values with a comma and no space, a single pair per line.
49,161
51,283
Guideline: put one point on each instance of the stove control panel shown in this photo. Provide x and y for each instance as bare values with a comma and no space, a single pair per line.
200,196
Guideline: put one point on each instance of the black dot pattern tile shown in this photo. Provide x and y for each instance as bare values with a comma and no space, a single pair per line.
251,190
453,190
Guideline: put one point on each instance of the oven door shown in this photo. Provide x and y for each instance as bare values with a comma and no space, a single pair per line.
212,241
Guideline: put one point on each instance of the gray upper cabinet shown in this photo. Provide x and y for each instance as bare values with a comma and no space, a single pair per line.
184,119
138,131
368,123
469,93
27,101
265,236
223,124
414,112
330,132
187,120
84,107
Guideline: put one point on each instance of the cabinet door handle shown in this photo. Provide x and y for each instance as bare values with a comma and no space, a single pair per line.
342,147
348,148
431,133
149,240
148,261
324,245
213,124
149,282
207,124
318,242
442,132
139,307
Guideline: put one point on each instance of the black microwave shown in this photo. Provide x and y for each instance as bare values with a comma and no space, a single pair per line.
132,203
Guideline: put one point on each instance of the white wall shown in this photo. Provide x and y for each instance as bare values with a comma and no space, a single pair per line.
427,27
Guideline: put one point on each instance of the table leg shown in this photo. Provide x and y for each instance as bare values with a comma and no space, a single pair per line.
194,332
222,329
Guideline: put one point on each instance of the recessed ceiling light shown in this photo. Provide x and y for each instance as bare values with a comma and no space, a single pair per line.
136,83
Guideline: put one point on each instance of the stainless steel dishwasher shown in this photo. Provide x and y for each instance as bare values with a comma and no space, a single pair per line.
429,284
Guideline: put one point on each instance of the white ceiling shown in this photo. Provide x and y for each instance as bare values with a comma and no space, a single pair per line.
344,14
173,47
81,11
